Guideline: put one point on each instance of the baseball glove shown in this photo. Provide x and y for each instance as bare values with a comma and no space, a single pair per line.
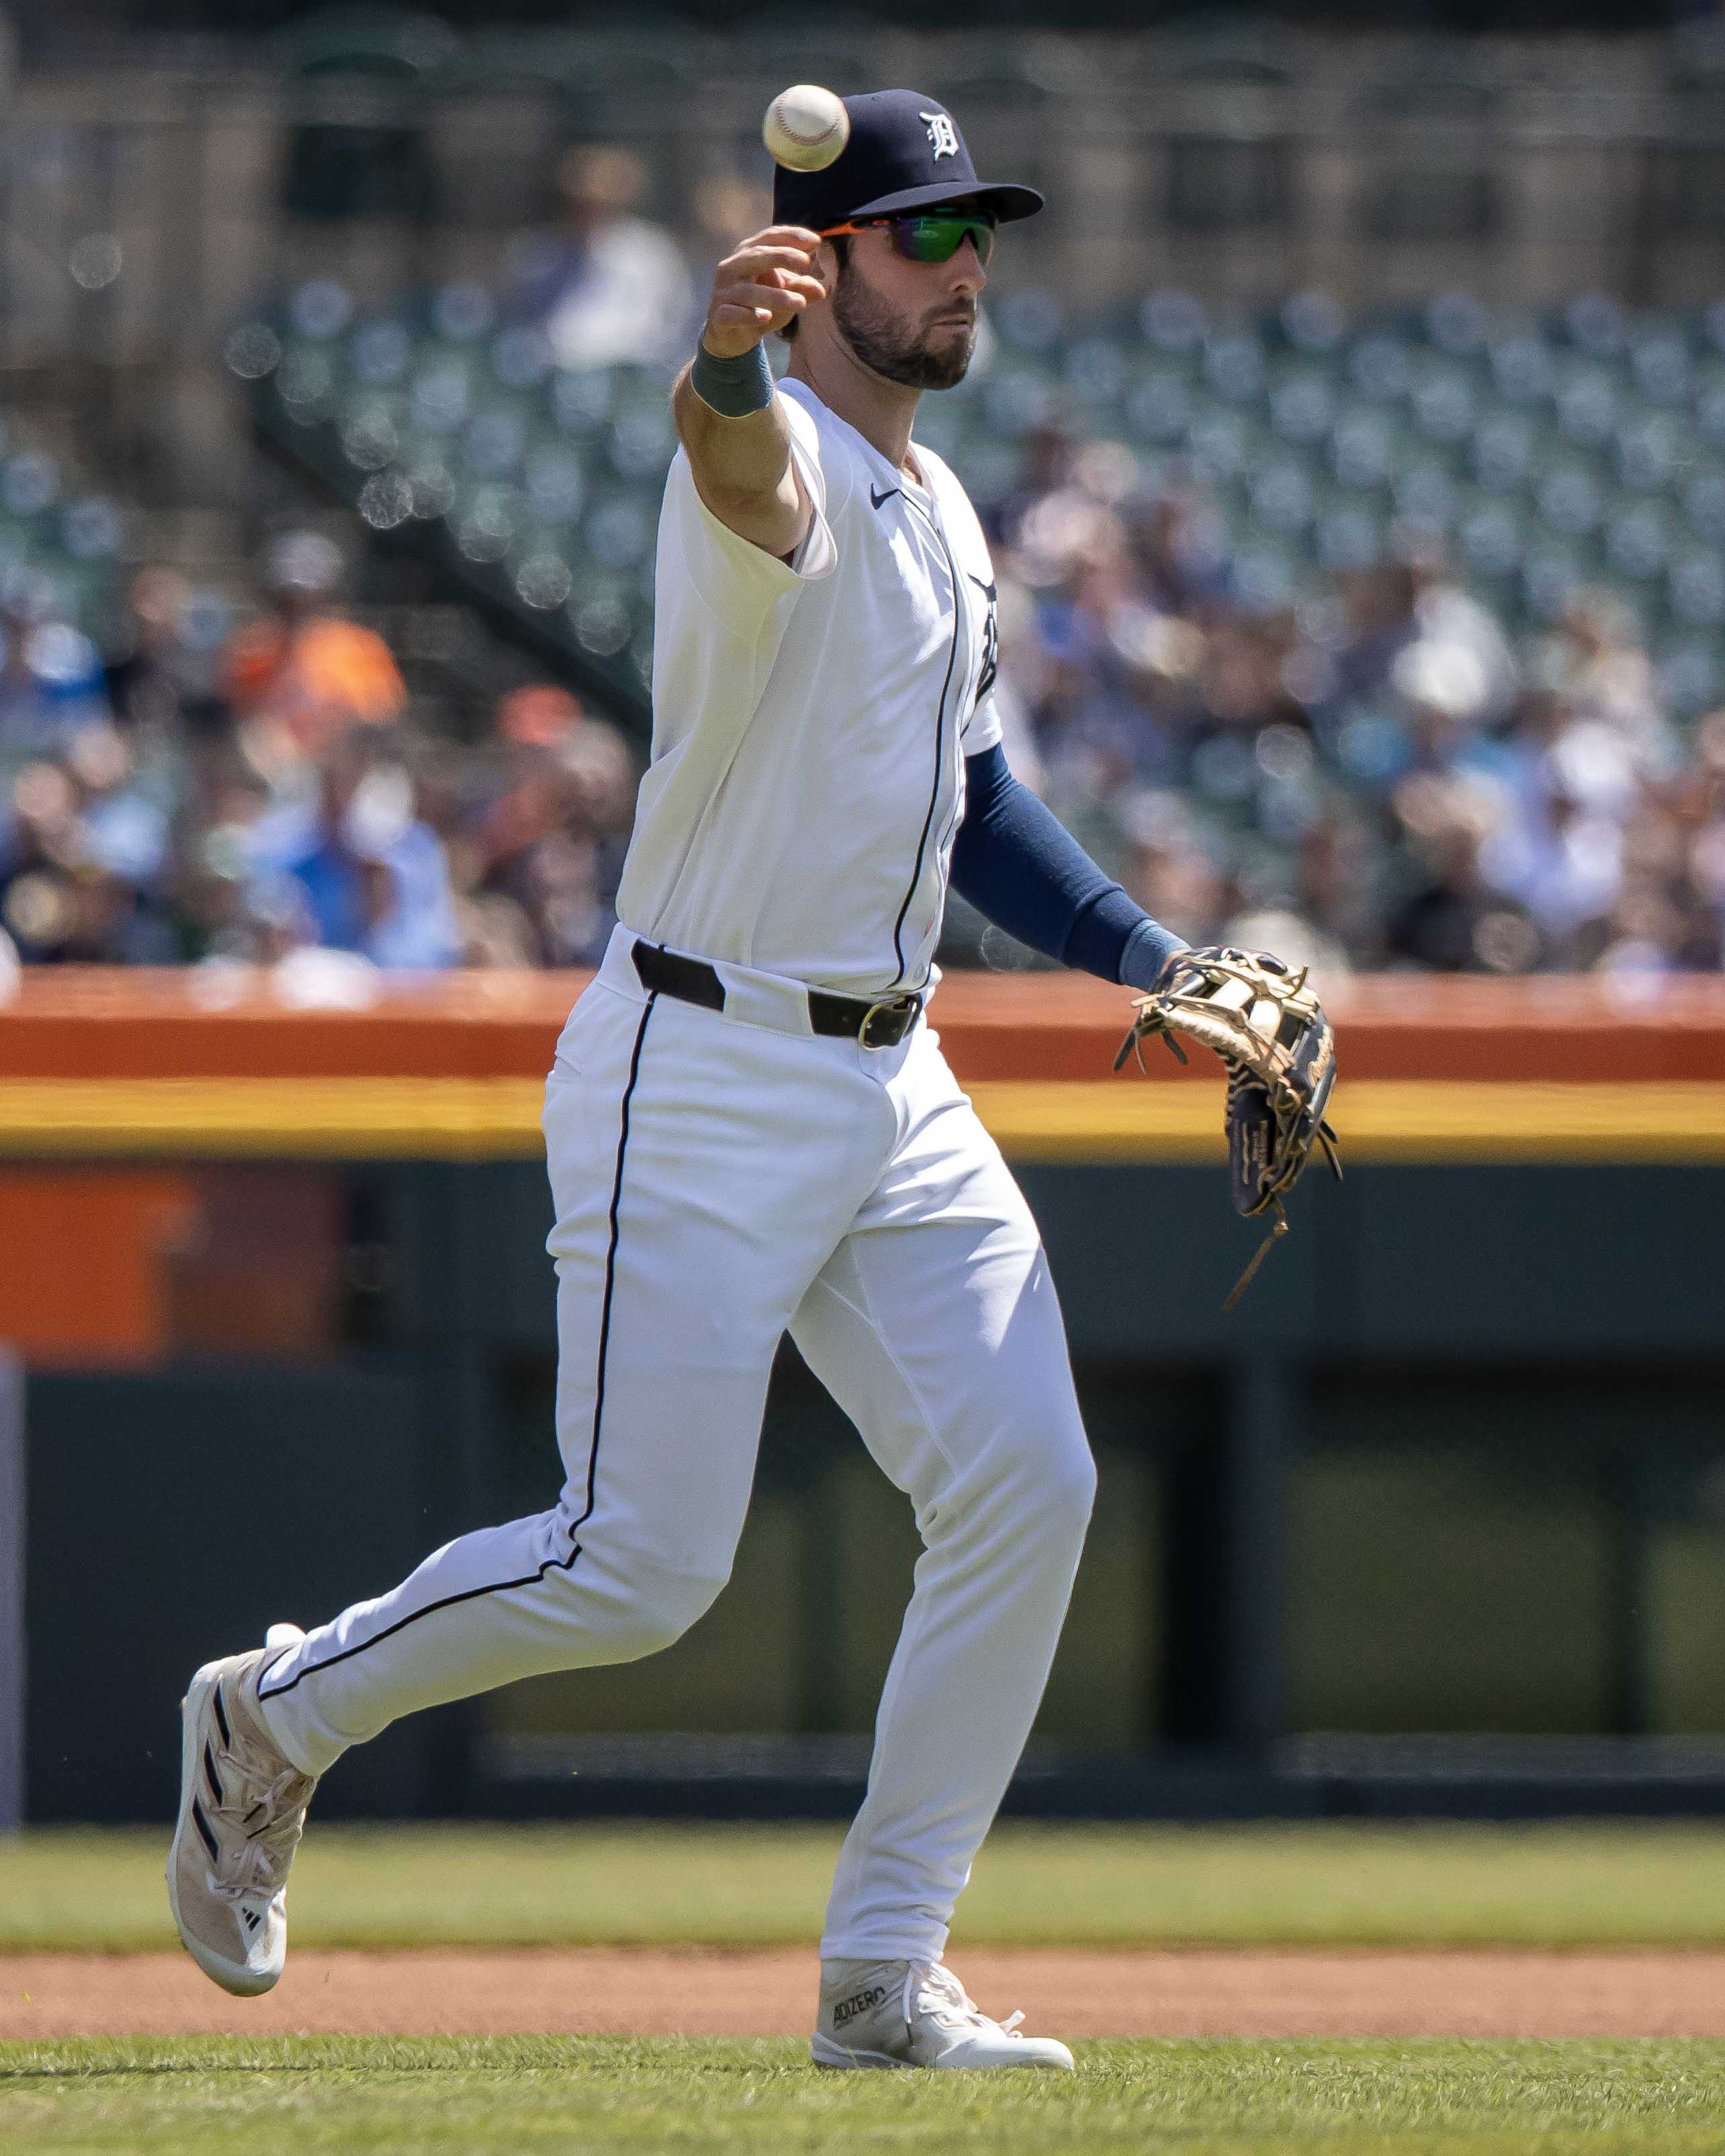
1269,1031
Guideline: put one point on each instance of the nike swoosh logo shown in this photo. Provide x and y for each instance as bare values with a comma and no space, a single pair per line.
877,499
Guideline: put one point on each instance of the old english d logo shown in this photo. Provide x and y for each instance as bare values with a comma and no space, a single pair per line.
942,136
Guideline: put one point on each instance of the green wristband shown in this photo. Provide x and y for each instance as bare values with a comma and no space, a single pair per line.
733,387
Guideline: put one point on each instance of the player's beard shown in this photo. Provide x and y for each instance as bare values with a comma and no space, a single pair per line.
892,348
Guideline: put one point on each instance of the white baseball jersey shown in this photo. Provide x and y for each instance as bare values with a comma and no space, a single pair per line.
811,720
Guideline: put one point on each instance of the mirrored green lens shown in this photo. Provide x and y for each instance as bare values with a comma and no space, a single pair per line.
939,238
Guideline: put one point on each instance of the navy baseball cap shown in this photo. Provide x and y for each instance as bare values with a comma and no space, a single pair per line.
905,153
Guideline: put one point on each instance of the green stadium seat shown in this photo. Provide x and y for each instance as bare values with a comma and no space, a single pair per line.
1550,575
1637,543
1662,368
1159,410
1349,537
1690,675
1018,401
1588,406
642,438
380,352
1380,366
1098,369
1443,404
321,308
1570,501
618,531
29,484
485,521
1456,323
1266,577
1363,448
371,430
1029,320
440,396
1502,451
1522,371
1704,504
90,529
1312,322
1171,321
521,357
493,441
307,383
1648,452
1302,407
386,501
1220,443
1694,587
1493,539
1234,366
1282,497
1594,324
556,482
1424,489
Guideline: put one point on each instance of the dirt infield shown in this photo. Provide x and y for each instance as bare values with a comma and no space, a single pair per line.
600,1991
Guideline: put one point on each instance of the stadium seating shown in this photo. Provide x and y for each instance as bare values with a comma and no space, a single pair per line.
1550,454
58,545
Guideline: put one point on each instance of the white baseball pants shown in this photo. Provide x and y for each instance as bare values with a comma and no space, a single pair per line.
719,1178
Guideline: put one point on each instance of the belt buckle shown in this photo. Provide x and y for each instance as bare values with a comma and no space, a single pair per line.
904,1008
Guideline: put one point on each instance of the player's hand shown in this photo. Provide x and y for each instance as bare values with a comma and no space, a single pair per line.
758,287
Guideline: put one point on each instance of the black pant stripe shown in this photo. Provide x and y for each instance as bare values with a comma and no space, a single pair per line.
598,1394
551,1564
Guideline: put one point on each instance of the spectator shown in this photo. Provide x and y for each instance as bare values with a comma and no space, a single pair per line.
1457,922
355,870
1452,620
160,680
610,285
80,864
51,681
299,677
1597,661
542,858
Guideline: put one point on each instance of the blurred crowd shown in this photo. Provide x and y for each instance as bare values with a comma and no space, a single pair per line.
1374,778
251,793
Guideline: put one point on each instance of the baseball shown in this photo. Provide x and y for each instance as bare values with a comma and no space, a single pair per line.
805,128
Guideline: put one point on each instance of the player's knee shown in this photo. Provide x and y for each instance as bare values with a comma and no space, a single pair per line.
1067,1493
663,1605
1046,1479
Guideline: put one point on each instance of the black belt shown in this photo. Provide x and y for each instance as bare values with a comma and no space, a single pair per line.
879,1025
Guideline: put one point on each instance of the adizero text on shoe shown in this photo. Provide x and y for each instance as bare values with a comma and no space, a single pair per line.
889,2013
242,1811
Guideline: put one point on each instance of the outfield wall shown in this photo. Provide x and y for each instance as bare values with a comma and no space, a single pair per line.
1457,1464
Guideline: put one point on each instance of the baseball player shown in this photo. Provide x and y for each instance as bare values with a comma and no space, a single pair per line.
750,1127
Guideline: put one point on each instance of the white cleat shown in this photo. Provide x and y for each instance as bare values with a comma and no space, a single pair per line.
242,1811
916,2014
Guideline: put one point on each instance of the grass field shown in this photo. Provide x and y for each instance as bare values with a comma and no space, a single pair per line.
1338,1885
1347,2099
1628,1885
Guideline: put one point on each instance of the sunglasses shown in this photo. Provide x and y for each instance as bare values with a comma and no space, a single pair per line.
931,238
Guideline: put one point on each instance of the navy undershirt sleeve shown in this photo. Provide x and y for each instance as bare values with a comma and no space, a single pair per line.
1018,865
